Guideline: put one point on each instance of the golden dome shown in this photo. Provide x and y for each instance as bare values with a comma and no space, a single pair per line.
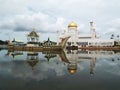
72,71
72,24
32,63
33,33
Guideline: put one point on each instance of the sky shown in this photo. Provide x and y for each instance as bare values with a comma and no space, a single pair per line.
19,17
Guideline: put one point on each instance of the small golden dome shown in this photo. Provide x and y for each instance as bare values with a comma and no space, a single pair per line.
72,71
72,24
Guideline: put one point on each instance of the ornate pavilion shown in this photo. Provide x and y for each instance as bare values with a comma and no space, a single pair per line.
33,39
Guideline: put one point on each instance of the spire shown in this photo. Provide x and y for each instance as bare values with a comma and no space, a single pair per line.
92,29
13,40
91,25
48,39
33,29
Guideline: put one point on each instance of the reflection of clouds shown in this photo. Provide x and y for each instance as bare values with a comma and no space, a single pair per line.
112,64
108,66
41,71
58,68
3,57
101,62
115,67
80,67
54,68
114,70
44,70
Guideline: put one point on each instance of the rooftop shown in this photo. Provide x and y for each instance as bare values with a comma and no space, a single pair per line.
33,33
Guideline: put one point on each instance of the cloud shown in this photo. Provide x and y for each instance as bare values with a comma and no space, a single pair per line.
112,27
40,21
41,71
115,24
48,16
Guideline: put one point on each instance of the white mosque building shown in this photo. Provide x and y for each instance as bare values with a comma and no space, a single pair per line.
83,40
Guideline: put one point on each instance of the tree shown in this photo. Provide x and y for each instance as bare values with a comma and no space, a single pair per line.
118,36
112,36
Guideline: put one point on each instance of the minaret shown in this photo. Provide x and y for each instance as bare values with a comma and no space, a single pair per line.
91,25
92,29
58,35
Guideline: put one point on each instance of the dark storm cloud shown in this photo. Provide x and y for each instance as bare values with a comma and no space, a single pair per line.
4,27
20,29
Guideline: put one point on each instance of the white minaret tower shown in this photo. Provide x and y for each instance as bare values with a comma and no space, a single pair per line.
91,25
92,29
58,34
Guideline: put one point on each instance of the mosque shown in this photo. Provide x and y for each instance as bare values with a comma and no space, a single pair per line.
83,40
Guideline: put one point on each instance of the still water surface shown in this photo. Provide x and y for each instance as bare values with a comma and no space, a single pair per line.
65,70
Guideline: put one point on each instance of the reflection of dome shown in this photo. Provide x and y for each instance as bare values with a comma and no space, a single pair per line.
91,73
32,63
72,71
72,68
72,24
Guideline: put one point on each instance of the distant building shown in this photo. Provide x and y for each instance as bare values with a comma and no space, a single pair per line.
18,43
49,43
32,39
14,54
4,42
83,40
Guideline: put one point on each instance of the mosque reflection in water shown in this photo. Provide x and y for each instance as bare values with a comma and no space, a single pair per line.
70,58
32,58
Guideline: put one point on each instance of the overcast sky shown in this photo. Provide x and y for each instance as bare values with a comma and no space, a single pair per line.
18,17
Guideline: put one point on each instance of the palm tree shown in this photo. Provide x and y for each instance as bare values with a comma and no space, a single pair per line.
118,36
118,39
112,36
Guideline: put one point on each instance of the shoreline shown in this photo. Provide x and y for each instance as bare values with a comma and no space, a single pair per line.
40,48
58,48
100,48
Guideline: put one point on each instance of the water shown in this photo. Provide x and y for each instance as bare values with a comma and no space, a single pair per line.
66,70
